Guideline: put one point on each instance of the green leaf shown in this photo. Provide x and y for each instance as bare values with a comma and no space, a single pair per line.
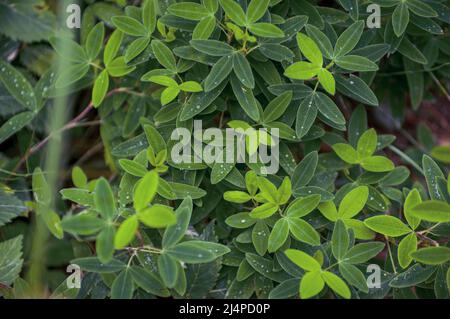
356,63
94,41
196,251
240,220
306,115
26,21
278,235
112,46
377,164
15,124
329,109
303,260
122,287
125,233
276,108
336,284
157,216
190,86
237,197
145,190
432,174
204,29
18,86
189,10
339,240
356,89
80,196
71,74
321,40
234,11
219,72
148,281
93,264
353,276
346,152
441,153
69,49
260,237
168,269
353,202
310,49
362,253
432,211
100,89
367,144
82,224
348,39
256,10
10,259
164,55
311,284
104,199
174,233
132,167
129,26
149,15
303,231
303,206
412,200
421,8
302,70
432,255
266,30
327,81
136,47
79,178
387,225
243,70
245,98
104,244
305,170
406,246
11,207
400,19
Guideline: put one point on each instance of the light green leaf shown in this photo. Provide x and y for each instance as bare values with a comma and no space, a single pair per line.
100,89
339,240
406,246
126,232
266,30
377,164
432,211
412,200
164,55
303,260
356,63
353,202
310,49
94,41
303,206
174,233
157,216
336,284
327,81
362,253
104,244
311,284
145,190
346,152
387,225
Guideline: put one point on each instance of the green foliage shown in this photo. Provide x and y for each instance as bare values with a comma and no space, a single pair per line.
117,202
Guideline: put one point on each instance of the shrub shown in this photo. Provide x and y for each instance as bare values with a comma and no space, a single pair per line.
354,211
